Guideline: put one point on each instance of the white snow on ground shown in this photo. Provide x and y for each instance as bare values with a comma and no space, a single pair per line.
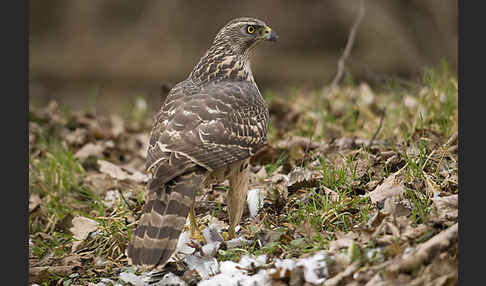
229,273
248,271
255,201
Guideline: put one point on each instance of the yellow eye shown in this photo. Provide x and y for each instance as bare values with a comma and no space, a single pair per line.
251,29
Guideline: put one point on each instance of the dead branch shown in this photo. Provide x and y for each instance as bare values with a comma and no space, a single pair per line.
350,270
427,250
347,50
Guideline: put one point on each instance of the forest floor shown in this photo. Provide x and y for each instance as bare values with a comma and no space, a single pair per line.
325,206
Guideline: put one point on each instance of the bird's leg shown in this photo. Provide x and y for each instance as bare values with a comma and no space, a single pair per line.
237,194
193,227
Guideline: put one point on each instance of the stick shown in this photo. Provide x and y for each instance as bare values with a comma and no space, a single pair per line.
349,45
379,127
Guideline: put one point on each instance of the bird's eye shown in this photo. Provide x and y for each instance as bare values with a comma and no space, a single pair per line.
250,29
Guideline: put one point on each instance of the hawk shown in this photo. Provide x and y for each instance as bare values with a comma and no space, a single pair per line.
206,130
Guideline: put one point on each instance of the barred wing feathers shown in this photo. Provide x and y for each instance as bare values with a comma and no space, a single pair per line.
196,131
221,124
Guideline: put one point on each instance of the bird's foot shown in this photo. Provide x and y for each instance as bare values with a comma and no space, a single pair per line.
195,233
230,234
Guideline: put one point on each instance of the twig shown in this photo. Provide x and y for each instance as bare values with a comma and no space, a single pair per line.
382,116
126,202
350,270
307,147
426,251
349,45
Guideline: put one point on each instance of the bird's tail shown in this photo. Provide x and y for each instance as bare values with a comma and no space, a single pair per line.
163,218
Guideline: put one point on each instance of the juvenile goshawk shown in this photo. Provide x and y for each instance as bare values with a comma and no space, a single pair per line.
205,132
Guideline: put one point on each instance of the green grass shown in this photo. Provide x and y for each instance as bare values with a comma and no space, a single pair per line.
436,95
307,217
420,206
270,168
436,110
57,178
323,214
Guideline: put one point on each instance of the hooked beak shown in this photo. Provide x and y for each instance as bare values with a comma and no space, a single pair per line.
270,35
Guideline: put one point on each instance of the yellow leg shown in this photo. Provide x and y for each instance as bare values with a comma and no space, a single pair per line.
193,227
237,195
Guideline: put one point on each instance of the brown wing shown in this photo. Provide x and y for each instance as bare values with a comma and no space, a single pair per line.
220,124
194,133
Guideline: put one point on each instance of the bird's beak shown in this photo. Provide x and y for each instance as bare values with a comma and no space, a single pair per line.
270,35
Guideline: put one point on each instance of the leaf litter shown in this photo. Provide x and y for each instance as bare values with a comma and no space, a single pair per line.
321,210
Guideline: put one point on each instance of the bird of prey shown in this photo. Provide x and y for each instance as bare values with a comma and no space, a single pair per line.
207,129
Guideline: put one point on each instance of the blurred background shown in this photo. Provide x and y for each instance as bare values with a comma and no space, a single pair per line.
87,53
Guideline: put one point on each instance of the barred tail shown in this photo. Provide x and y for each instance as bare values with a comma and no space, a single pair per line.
163,219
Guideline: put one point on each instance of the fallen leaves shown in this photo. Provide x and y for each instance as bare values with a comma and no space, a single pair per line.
391,187
90,149
82,227
34,202
99,182
121,173
358,221
41,273
445,209
426,251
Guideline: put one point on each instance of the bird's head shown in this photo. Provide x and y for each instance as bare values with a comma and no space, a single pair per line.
228,57
243,34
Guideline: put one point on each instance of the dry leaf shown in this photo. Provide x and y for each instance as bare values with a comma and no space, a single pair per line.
376,219
303,178
412,233
396,207
82,227
77,137
120,173
112,170
90,149
100,182
298,175
41,273
446,207
111,197
332,195
34,202
342,241
391,187
262,173
267,235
